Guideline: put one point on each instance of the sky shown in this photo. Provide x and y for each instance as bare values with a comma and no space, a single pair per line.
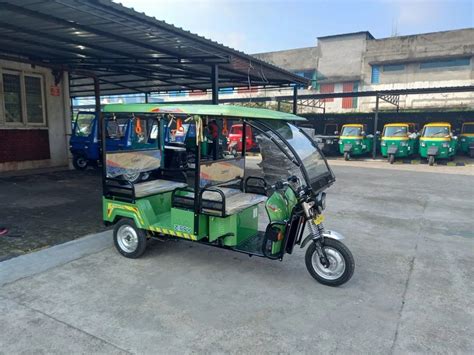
256,26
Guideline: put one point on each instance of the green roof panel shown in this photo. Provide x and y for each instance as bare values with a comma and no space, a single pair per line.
204,110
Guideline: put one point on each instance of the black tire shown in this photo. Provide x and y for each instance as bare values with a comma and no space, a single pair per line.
431,160
80,162
347,156
391,158
344,252
127,226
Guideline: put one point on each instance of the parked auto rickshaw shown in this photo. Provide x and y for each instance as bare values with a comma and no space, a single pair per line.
399,140
121,133
353,140
467,139
235,139
437,142
215,202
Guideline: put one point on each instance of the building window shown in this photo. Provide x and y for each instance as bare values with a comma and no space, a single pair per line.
23,98
34,100
393,67
307,74
375,74
458,62
12,95
326,89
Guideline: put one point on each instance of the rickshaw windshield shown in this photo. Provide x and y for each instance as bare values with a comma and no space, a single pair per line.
395,131
84,124
436,131
351,131
276,165
468,128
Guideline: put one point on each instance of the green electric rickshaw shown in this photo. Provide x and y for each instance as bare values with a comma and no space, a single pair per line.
354,140
437,142
467,139
217,202
399,140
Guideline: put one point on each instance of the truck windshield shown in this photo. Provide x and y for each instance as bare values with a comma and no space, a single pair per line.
395,131
84,123
468,128
436,131
351,131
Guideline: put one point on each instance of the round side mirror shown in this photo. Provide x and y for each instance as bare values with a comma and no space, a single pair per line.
377,133
336,133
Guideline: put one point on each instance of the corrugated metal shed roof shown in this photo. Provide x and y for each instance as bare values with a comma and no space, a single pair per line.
129,51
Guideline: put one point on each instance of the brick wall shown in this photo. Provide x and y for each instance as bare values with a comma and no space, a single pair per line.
23,144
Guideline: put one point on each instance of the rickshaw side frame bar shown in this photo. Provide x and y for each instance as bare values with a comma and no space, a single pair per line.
102,135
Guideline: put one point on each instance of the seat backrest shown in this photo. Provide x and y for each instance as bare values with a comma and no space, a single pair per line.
221,171
122,162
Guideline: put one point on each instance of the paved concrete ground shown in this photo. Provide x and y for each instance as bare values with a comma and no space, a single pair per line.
412,236
41,210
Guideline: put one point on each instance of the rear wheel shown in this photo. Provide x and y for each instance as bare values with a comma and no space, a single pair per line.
431,160
347,156
129,240
79,162
391,158
337,269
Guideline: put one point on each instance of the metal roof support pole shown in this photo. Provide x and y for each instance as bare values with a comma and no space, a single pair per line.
215,84
146,97
295,100
102,136
376,121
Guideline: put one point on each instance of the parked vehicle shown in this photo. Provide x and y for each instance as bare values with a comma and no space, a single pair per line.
399,140
437,142
121,133
215,203
467,139
235,139
354,140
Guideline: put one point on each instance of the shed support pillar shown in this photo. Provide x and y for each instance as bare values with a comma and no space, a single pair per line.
146,97
295,100
215,84
101,127
376,121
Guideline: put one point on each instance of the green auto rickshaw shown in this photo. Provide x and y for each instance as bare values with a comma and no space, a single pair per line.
467,139
216,202
437,141
354,141
399,140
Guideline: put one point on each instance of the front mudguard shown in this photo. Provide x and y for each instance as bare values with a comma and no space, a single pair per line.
325,234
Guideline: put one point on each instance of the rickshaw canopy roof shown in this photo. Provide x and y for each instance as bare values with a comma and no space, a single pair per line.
438,124
398,124
353,125
204,110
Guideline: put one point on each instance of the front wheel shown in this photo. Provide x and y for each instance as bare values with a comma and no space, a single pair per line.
338,268
431,160
79,162
391,158
347,156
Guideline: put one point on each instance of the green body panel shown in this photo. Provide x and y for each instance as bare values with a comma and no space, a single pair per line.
360,146
405,148
465,143
204,110
446,149
183,221
279,208
235,228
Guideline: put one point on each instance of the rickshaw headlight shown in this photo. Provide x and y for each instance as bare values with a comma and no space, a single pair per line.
445,145
423,144
463,139
383,144
403,144
357,141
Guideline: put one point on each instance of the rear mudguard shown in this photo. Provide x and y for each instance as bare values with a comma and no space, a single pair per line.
326,234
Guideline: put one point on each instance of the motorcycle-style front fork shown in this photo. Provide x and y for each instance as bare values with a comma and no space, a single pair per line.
316,232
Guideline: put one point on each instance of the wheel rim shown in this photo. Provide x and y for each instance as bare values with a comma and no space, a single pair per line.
336,267
127,239
131,177
81,162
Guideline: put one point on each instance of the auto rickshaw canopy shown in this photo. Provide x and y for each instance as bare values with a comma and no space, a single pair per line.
204,110
438,124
